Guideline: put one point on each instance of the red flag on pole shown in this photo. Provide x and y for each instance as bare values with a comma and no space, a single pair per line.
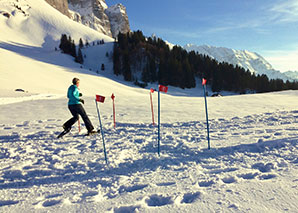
163,88
114,114
100,98
152,90
204,81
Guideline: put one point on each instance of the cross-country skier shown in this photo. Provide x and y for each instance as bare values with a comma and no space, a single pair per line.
76,108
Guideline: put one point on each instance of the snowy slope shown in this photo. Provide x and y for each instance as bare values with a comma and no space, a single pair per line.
248,60
252,165
39,24
35,36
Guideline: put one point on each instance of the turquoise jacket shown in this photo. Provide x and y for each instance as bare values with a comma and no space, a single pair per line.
73,95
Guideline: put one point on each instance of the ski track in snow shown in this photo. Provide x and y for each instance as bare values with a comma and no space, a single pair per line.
253,148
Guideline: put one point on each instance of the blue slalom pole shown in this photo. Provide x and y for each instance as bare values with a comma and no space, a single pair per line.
206,109
158,123
101,130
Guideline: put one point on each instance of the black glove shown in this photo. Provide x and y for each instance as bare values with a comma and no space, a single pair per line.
82,101
80,94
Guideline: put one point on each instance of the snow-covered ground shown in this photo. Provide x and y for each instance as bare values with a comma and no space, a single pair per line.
252,165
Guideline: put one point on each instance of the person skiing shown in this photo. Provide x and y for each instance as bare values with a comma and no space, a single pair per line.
76,109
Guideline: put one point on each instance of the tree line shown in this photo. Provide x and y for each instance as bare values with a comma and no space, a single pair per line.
149,59
67,45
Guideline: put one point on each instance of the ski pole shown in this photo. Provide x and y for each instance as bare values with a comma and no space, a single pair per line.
206,109
152,107
101,130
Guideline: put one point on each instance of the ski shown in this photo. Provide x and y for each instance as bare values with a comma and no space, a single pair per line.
93,133
63,133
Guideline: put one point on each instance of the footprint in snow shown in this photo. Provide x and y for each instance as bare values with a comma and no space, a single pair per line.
89,195
53,196
166,184
206,183
158,200
8,202
127,209
263,167
132,188
191,197
267,176
248,176
229,180
50,203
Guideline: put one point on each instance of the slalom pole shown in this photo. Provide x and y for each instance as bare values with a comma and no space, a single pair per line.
114,114
101,130
152,108
79,125
206,109
164,89
158,149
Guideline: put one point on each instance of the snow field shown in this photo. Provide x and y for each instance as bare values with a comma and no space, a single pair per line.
246,153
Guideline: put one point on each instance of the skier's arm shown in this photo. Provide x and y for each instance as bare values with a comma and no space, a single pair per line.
76,94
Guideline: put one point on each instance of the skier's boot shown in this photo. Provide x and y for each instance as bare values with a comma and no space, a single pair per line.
66,129
92,132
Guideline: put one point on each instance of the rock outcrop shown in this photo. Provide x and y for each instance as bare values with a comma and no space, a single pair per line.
92,14
95,14
61,5
118,19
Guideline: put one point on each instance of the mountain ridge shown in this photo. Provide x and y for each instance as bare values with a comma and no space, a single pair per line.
251,61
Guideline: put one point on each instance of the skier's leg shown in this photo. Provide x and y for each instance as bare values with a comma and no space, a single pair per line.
85,118
74,111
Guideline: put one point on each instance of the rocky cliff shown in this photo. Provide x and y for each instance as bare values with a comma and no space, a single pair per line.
118,19
61,5
91,13
95,14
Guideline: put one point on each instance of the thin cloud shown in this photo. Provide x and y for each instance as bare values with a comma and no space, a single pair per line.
283,60
286,11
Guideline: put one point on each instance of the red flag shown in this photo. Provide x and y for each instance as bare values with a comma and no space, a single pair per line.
113,96
204,81
163,88
100,98
152,90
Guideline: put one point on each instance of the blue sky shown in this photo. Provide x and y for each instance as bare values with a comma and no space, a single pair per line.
268,27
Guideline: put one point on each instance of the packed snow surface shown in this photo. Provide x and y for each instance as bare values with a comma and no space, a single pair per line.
252,165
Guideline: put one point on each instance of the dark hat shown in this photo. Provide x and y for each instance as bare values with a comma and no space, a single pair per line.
75,80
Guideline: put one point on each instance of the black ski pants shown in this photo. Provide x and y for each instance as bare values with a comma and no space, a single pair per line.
76,110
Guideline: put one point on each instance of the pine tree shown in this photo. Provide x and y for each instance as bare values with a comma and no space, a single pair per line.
63,43
81,44
126,67
80,58
73,51
116,60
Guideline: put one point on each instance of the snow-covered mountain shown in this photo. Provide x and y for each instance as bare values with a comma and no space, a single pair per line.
254,62
292,75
